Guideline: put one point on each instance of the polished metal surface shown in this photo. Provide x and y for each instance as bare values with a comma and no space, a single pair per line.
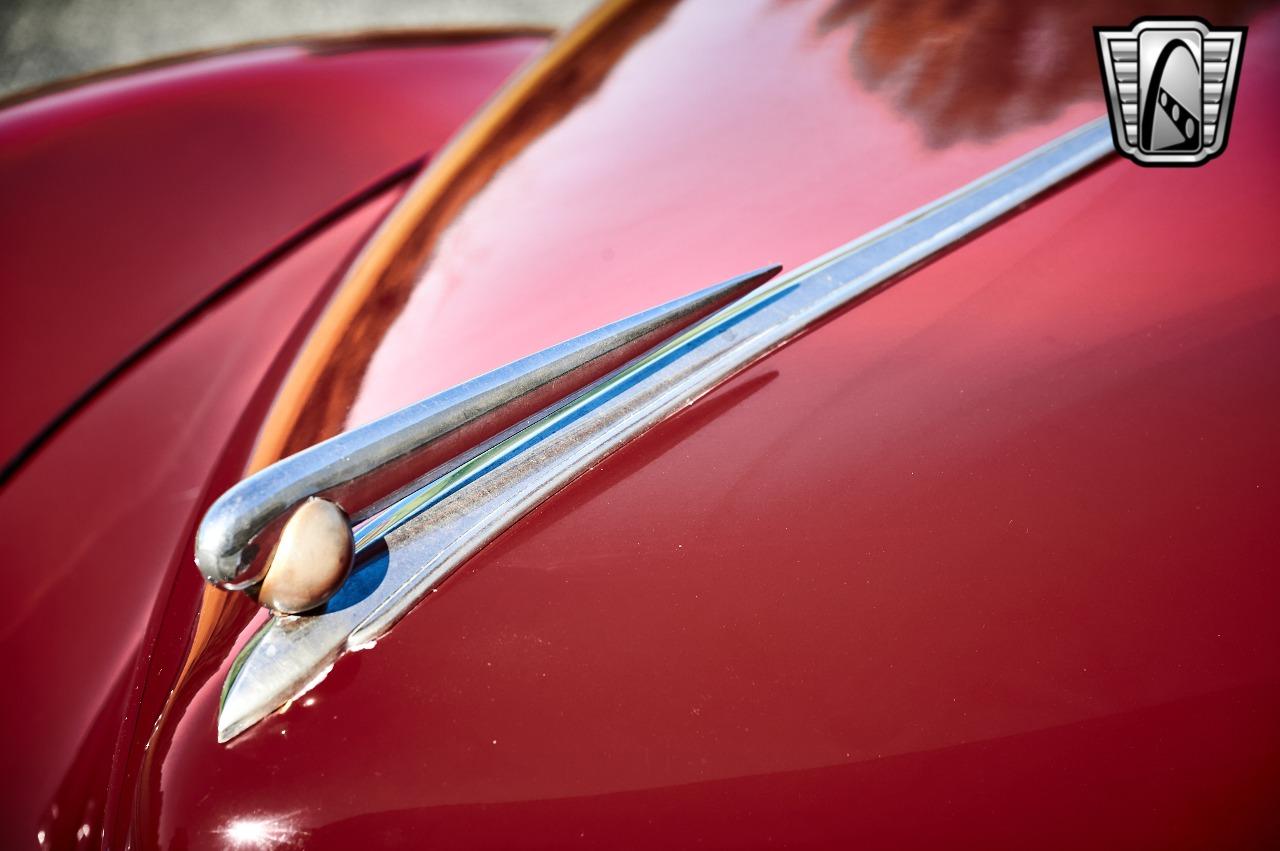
364,469
413,544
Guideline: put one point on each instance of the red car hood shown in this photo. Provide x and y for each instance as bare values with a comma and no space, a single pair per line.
981,559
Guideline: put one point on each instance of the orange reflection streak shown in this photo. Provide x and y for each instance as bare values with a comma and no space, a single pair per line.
318,392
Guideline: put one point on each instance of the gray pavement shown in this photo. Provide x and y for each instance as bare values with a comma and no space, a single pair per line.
42,41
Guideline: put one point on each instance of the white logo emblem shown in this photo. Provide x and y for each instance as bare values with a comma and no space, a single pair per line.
1170,85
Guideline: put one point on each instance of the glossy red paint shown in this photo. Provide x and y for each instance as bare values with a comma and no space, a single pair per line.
94,532
985,560
135,198
643,220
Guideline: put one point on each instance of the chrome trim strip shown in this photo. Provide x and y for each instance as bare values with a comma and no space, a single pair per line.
364,469
411,546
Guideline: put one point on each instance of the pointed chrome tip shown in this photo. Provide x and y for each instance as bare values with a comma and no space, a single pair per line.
247,697
239,708
228,730
280,663
683,310
740,285
244,705
234,717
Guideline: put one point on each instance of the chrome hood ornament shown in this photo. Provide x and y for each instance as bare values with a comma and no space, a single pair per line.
364,470
411,536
